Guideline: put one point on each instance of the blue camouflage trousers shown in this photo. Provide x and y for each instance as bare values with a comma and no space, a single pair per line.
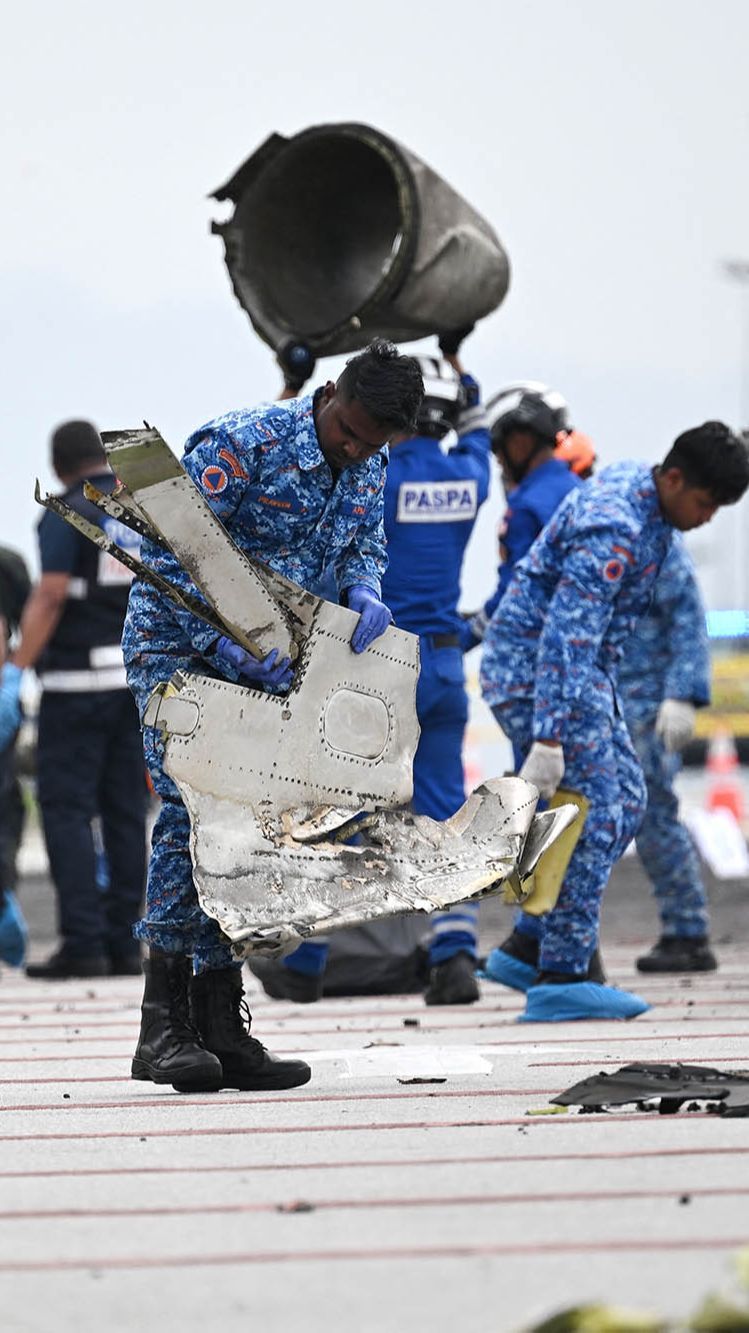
600,762
664,845
174,921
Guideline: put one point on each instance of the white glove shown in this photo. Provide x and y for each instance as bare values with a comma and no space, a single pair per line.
675,723
544,767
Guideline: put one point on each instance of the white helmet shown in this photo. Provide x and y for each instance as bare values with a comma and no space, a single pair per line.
443,399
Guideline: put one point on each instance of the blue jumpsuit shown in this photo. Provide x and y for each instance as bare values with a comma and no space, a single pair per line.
668,659
550,658
431,502
263,473
529,507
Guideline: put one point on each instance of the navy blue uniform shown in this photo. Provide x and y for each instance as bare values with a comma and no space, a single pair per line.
89,756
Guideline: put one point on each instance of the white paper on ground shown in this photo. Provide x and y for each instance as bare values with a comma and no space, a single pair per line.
419,1061
720,842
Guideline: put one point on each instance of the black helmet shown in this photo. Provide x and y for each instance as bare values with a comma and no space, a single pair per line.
443,398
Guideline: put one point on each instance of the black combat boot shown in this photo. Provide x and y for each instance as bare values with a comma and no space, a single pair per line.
679,953
453,981
219,1012
169,1049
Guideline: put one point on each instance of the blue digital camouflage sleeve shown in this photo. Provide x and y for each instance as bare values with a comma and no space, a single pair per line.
576,622
682,614
365,559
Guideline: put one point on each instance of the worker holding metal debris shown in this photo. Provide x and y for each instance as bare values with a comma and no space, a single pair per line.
432,499
550,659
299,486
663,678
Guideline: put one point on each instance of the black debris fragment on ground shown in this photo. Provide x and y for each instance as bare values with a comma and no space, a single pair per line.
670,1085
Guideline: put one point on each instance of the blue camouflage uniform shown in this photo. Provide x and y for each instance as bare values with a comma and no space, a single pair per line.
263,473
668,658
550,659
432,498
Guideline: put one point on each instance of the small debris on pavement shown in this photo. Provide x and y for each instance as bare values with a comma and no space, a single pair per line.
422,1080
296,1206
727,1093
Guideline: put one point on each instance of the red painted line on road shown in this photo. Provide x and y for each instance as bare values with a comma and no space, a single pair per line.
389,1255
348,1027
181,1099
523,1039
399,1163
365,1205
218,1131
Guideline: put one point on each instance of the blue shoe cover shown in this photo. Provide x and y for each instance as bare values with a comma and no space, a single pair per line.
13,932
580,999
509,971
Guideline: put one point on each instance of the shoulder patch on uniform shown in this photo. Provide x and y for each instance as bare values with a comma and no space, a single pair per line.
437,501
233,463
213,479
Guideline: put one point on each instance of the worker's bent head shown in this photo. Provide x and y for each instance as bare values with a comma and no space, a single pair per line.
376,397
705,468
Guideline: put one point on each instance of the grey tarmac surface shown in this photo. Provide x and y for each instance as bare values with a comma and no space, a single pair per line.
362,1202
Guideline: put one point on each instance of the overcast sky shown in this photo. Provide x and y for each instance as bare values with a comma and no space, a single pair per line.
606,140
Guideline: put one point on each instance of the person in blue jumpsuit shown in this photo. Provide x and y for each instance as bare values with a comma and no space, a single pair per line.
526,421
664,676
548,672
298,485
432,498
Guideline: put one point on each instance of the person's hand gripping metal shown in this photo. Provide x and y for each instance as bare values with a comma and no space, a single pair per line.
270,674
374,616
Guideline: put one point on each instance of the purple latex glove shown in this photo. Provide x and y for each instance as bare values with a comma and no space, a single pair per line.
374,616
275,675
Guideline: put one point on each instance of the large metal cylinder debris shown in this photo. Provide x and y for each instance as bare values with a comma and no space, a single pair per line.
340,234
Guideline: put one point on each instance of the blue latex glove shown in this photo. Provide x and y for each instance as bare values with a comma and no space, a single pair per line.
10,703
374,616
274,675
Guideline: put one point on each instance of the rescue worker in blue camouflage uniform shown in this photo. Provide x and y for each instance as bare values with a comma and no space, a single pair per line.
664,676
298,485
550,659
432,498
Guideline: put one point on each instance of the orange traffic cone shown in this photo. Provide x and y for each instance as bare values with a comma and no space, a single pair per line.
725,791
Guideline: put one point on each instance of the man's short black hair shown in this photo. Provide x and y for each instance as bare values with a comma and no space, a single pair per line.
388,385
75,443
713,457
